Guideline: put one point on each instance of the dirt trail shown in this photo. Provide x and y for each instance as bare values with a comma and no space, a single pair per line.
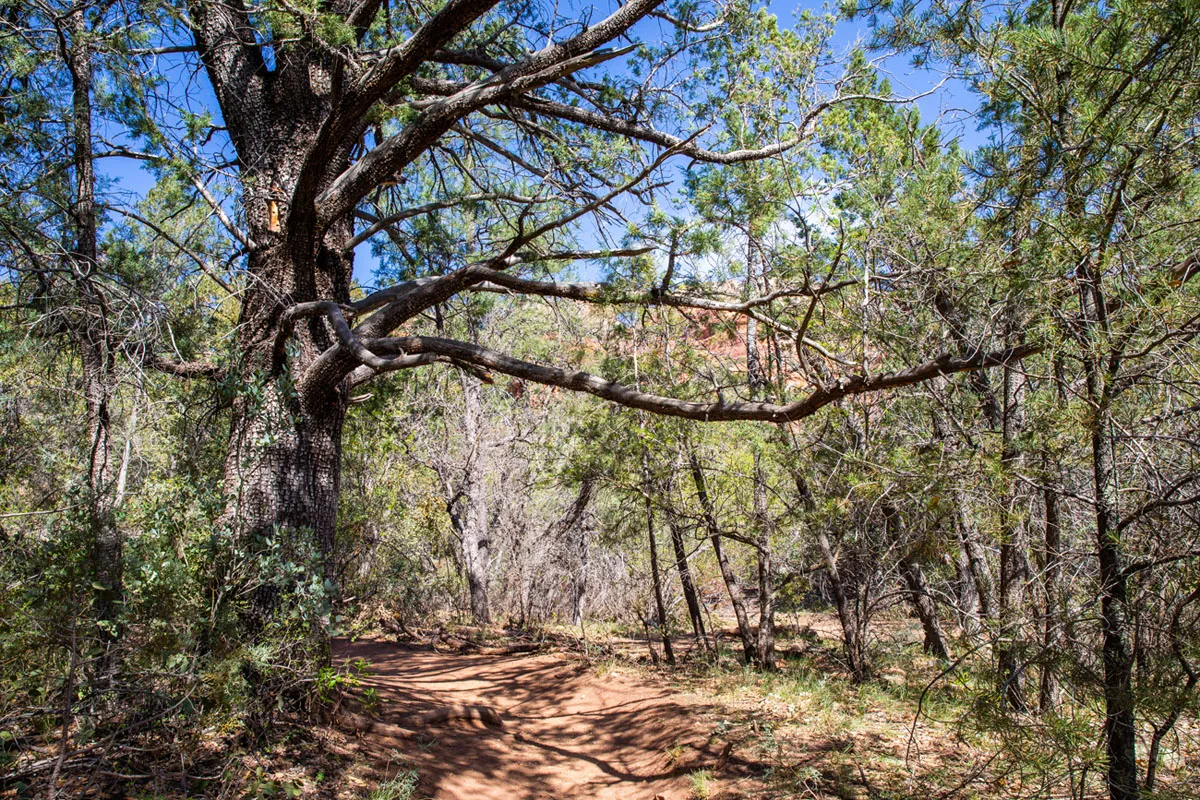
567,732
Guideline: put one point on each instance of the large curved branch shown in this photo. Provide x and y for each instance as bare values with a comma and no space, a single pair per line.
393,306
180,369
719,411
539,69
397,62
369,87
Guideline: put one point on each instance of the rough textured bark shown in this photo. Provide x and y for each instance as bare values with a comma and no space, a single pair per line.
577,519
977,563
1119,703
282,470
736,599
579,591
766,578
923,603
966,594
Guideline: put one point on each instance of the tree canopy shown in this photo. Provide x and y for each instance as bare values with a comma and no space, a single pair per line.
301,301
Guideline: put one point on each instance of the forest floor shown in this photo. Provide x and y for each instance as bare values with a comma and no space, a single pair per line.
564,730
611,725
461,713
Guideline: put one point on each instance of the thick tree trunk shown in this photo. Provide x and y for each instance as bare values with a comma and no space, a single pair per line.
282,469
283,465
736,599
283,479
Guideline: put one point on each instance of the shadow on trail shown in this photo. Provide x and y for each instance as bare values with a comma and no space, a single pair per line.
567,732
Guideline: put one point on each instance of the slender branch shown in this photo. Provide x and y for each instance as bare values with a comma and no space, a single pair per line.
607,294
378,224
612,124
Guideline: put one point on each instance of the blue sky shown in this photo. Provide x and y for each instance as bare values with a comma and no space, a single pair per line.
952,103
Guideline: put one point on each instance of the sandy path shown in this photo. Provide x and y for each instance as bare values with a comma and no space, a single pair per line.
567,732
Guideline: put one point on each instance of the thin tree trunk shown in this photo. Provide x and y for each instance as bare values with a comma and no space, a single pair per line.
757,378
966,593
1058,624
92,339
1119,700
736,599
685,578
580,588
1119,720
476,539
577,517
1012,557
766,598
1048,695
860,667
923,603
1119,703
918,592
981,574
655,576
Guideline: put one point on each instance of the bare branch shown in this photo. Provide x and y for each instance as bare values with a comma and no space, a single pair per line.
603,293
719,411
612,124
379,224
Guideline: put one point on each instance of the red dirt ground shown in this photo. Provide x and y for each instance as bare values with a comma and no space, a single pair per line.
567,732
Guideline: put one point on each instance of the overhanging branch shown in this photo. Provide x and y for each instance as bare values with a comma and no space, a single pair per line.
719,411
